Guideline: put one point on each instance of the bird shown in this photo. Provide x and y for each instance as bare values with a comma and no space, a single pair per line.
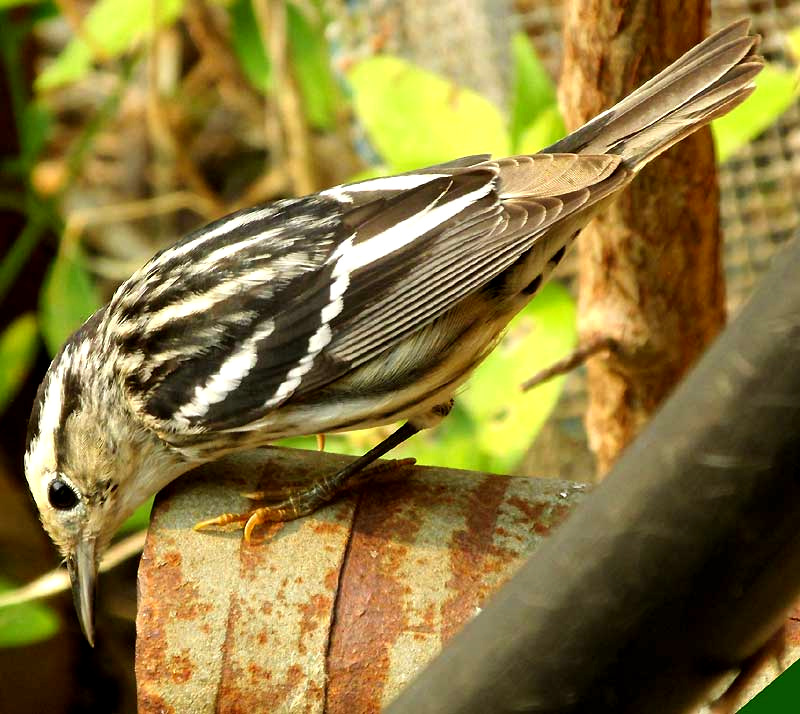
365,304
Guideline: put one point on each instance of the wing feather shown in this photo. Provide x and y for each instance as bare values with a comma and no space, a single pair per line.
389,257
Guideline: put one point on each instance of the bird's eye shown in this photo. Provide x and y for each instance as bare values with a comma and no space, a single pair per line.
61,495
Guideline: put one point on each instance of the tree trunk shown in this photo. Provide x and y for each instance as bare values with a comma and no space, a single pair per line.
650,267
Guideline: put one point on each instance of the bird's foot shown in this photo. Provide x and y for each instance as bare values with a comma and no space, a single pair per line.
286,503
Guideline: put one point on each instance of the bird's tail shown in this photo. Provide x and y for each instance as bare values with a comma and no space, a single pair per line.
705,83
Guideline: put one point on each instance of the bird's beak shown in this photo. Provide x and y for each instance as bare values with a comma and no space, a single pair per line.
82,568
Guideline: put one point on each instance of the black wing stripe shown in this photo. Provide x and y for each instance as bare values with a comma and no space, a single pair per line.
391,262
453,282
444,274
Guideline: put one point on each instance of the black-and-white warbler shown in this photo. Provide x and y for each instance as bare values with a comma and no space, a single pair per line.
361,305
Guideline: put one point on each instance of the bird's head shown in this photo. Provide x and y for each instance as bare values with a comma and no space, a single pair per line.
88,462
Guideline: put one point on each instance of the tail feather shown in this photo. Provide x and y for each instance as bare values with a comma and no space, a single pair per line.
709,80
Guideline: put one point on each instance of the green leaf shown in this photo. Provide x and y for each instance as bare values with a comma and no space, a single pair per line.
4,4
509,418
68,297
9,4
533,91
34,129
248,45
114,27
26,623
415,118
545,130
793,40
138,520
776,90
17,353
310,58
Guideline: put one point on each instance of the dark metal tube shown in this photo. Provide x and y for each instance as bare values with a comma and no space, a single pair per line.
679,566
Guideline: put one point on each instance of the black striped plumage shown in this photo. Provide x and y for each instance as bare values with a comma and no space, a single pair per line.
387,298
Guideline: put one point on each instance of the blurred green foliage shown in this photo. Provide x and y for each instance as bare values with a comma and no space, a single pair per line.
534,101
308,52
248,45
110,28
18,345
776,90
415,118
310,58
25,623
793,38
67,298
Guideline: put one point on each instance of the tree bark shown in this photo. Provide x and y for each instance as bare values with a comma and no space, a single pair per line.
650,267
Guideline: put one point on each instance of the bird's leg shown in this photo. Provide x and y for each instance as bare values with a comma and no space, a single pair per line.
307,500
301,502
278,492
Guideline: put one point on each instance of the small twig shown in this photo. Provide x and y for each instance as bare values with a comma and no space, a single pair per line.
82,218
81,146
267,187
141,208
57,580
214,47
571,361
272,15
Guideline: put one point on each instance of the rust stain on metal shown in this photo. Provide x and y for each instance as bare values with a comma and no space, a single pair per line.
176,599
558,514
149,702
313,614
242,689
542,515
254,691
468,551
369,613
531,511
324,528
332,579
331,614
181,667
247,687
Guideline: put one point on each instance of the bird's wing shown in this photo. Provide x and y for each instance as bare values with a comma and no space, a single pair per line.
276,301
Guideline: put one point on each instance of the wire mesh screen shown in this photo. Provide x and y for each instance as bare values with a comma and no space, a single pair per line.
760,185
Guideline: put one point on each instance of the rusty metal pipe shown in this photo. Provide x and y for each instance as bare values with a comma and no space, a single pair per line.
679,566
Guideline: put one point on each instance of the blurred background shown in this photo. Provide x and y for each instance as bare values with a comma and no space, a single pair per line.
126,123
